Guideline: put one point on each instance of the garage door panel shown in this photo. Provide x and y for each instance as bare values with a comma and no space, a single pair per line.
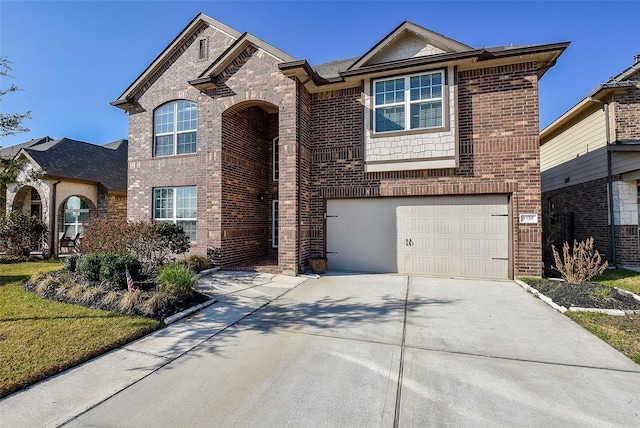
453,236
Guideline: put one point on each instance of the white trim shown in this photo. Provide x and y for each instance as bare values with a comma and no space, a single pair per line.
174,219
175,133
275,147
275,222
407,102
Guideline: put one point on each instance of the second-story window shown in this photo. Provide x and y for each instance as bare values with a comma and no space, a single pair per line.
175,127
409,102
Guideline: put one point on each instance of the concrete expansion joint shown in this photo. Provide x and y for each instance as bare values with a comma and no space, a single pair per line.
126,348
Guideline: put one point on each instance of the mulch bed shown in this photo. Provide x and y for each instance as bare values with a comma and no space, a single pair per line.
584,295
145,289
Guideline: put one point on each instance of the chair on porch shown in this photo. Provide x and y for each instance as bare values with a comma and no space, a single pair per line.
69,243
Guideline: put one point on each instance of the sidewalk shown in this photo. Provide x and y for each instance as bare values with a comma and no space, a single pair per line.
59,399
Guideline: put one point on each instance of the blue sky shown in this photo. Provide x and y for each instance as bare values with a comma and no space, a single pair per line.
71,58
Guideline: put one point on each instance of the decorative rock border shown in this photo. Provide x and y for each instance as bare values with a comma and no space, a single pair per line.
562,309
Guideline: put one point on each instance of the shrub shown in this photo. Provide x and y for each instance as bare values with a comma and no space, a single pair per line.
197,263
113,268
21,233
152,244
71,262
177,280
89,267
580,266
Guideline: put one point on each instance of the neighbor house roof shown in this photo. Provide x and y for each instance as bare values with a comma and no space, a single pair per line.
593,101
69,159
11,151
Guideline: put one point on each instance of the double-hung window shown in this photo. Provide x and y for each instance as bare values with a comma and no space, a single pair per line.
176,205
175,127
409,102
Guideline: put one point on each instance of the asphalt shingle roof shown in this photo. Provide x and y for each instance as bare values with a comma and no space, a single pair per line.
71,159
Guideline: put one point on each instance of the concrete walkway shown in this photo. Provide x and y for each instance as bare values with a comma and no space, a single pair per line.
349,350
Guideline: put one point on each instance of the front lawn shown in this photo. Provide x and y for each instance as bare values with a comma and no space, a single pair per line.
39,337
621,332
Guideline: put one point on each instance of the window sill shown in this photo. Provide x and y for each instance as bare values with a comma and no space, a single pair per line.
410,132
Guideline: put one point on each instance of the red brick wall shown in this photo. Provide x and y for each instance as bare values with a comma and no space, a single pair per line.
498,152
246,174
594,221
627,113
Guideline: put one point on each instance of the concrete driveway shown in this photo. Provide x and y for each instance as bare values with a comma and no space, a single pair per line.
381,350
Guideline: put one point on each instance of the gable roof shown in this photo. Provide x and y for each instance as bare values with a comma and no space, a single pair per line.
412,48
69,159
192,27
593,101
407,29
206,80
12,151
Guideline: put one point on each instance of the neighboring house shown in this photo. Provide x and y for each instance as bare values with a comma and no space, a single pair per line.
593,151
420,156
79,181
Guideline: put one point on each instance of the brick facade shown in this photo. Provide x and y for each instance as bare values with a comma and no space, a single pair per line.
498,154
321,150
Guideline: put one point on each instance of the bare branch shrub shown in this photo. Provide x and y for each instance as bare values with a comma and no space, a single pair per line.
580,266
152,244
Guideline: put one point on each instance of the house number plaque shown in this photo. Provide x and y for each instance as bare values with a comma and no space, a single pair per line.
529,218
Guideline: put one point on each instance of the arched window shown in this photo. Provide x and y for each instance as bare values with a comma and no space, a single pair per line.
175,127
76,212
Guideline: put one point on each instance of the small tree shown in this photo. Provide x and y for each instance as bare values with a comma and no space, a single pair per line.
21,233
580,266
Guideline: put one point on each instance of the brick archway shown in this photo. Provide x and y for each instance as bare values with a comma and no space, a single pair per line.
248,185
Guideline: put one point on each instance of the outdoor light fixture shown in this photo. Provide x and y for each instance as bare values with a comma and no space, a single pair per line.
260,197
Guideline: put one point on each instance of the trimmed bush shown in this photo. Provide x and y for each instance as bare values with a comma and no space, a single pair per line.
71,262
113,268
89,267
176,280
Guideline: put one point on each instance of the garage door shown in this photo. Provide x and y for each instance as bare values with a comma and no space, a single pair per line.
466,236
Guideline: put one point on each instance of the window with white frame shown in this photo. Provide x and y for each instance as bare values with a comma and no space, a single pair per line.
76,212
175,127
409,102
276,159
176,205
274,224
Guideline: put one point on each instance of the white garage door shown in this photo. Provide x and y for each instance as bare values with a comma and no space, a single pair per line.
466,236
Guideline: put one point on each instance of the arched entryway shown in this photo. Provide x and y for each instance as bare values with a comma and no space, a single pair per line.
29,200
249,182
72,214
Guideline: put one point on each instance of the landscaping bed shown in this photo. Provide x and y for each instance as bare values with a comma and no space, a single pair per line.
146,300
591,295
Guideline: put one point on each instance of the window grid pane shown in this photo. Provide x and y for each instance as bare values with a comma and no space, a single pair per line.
389,91
187,116
187,143
164,119
163,204
390,119
186,202
164,145
426,115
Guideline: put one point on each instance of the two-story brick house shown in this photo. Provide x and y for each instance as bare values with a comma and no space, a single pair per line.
420,156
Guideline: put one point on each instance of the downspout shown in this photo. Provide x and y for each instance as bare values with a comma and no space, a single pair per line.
52,221
612,226
298,186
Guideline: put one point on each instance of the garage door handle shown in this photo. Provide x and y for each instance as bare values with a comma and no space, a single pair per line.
499,215
500,258
331,252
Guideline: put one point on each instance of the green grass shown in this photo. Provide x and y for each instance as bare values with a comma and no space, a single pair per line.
621,278
39,338
623,333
